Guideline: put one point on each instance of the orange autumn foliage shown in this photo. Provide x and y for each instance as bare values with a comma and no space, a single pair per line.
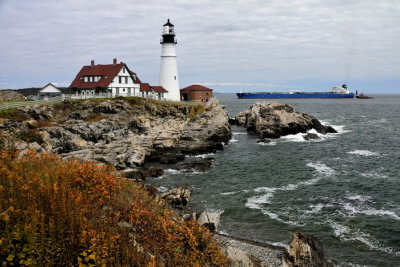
72,212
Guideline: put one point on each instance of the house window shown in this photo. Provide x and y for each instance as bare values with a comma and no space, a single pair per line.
123,69
174,77
123,90
126,79
120,79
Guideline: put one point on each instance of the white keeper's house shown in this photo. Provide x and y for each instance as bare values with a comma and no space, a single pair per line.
111,80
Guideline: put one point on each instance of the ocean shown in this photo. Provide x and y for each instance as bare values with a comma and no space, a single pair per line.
344,189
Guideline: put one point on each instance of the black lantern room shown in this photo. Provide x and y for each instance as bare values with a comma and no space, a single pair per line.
168,34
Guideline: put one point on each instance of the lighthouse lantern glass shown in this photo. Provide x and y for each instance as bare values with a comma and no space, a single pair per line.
168,29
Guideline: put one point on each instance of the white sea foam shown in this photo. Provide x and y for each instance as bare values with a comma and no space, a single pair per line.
374,174
321,168
173,171
314,209
239,133
294,138
256,202
344,233
363,153
369,211
270,143
229,193
359,198
203,155
233,140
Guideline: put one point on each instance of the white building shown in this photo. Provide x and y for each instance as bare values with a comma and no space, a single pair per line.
109,80
49,90
168,68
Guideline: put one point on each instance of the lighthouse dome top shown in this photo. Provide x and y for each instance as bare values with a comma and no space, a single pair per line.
168,23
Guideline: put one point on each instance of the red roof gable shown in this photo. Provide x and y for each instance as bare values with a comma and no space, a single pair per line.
196,87
145,87
107,73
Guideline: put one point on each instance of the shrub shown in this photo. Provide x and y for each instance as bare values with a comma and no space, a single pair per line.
71,212
30,135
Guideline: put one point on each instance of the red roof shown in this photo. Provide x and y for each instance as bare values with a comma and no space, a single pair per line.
145,87
159,89
196,87
107,73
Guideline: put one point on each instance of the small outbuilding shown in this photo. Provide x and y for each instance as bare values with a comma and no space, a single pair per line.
49,91
151,91
196,92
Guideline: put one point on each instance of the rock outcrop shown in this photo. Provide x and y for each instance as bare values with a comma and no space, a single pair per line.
10,95
178,197
124,133
209,220
305,251
269,119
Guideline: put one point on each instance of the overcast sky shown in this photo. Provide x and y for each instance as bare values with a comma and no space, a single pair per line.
226,45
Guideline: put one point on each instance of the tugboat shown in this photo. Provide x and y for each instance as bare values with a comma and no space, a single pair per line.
363,96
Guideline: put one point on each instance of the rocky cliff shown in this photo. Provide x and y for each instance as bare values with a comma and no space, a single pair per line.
270,119
124,133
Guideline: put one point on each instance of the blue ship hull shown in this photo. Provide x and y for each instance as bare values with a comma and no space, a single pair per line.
294,95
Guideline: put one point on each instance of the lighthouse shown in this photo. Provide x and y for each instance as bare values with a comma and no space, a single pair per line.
168,68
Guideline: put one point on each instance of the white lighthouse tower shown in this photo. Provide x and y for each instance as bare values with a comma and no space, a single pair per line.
168,69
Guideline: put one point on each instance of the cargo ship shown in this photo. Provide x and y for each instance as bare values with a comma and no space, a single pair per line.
336,92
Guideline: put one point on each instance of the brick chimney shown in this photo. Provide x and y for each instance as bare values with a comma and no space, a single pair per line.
115,61
92,62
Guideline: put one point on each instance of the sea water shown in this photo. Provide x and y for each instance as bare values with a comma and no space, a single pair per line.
344,188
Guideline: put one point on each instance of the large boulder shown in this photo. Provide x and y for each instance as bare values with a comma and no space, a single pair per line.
270,119
209,220
305,251
178,197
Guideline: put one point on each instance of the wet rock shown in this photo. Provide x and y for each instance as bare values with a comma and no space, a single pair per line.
232,121
270,119
305,251
265,141
311,136
178,197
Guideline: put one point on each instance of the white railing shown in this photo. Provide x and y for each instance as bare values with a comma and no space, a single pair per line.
22,104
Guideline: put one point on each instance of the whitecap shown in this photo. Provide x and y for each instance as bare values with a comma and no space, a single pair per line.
229,193
366,210
264,189
359,198
239,133
366,153
256,202
173,171
233,140
374,174
345,234
203,155
270,143
314,209
321,168
294,138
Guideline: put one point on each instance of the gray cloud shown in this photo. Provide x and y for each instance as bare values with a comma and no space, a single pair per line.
283,43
